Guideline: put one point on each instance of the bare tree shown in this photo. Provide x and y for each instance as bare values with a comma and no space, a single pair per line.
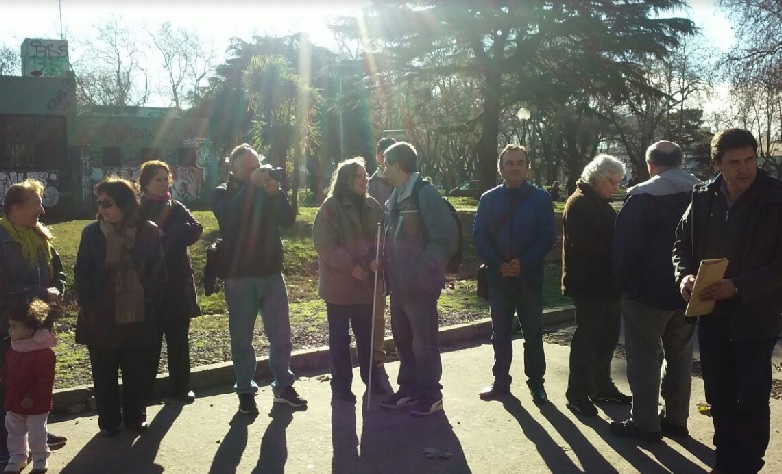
186,59
110,69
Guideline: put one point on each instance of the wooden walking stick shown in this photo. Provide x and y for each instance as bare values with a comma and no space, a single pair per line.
372,334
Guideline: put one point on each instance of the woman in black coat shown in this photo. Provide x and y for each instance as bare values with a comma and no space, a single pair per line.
178,230
118,276
587,234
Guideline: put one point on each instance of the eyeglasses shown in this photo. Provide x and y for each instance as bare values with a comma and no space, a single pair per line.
104,203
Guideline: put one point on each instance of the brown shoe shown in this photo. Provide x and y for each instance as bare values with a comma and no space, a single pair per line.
492,392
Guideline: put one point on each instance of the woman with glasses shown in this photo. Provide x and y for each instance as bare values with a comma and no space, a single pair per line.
118,276
587,235
178,230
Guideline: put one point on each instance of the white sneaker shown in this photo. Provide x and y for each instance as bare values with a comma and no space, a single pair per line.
40,466
15,466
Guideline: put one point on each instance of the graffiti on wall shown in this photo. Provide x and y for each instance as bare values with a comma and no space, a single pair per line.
48,58
49,179
60,103
186,186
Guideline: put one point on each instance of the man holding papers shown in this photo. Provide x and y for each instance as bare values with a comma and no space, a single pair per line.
737,216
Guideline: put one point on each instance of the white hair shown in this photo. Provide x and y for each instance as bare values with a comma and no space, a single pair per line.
603,167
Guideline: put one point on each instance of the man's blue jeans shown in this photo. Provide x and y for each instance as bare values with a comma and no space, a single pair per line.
246,297
414,325
507,297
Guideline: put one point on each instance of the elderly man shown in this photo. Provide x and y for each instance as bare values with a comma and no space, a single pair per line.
421,236
250,209
513,231
652,308
737,216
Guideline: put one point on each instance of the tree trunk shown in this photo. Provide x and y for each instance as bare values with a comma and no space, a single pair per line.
490,125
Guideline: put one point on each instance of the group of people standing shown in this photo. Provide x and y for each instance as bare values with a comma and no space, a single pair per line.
638,268
128,259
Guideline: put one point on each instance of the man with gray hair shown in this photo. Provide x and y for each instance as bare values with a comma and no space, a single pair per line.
652,308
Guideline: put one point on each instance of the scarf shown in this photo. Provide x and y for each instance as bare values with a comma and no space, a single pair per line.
34,242
128,290
157,210
153,197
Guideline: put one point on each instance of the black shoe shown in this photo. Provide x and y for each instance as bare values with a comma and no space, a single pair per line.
670,429
493,392
345,396
627,429
290,396
426,407
582,406
247,404
614,396
397,400
109,432
54,441
138,427
539,395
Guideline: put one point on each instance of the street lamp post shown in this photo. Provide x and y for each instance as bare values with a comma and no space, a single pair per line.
523,114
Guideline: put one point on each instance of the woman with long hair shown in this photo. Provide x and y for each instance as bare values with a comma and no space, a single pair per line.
344,234
119,274
178,230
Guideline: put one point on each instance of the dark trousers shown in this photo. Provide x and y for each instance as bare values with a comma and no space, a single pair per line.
130,407
592,347
737,382
176,331
341,318
414,325
526,300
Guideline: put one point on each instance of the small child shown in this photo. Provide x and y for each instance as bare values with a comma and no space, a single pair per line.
29,378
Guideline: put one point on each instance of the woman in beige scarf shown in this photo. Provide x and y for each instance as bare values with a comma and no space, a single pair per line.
119,271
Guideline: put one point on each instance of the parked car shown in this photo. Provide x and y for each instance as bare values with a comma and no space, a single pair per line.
466,189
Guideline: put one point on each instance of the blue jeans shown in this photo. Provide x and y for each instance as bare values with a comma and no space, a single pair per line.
507,297
340,318
246,296
737,382
414,325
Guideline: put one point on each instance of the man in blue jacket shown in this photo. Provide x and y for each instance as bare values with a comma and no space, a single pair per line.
513,231
250,209
652,308
737,216
421,236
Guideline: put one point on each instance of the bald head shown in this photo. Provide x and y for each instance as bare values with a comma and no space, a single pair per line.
664,155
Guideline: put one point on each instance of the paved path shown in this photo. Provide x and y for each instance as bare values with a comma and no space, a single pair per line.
483,437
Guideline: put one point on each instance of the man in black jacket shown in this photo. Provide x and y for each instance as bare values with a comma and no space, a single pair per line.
250,209
652,308
737,216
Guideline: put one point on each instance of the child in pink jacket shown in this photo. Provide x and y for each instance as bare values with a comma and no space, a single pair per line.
29,378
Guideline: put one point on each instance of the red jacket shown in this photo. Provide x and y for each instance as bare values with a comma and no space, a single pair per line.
29,374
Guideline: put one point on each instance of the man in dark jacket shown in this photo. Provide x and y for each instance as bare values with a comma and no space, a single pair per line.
652,308
250,209
737,216
421,236
513,231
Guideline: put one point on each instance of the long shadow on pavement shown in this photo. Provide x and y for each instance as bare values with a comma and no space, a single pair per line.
125,453
393,441
229,454
274,444
552,454
345,458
